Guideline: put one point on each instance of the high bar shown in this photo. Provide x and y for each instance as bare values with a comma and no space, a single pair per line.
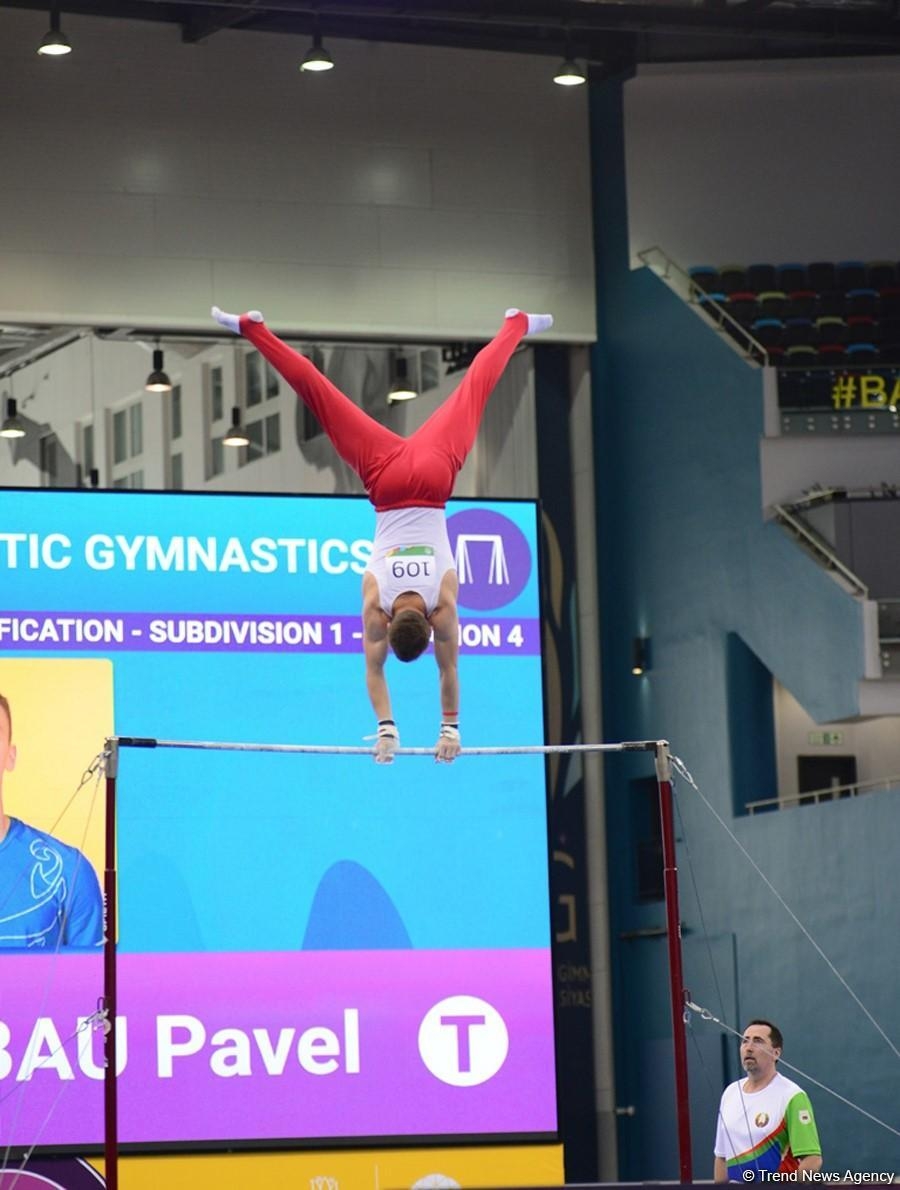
338,750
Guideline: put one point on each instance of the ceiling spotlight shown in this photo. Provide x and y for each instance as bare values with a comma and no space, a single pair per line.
13,426
317,58
402,387
158,380
237,435
55,43
569,74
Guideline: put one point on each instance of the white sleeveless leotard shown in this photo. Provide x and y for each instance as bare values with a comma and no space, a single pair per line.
411,552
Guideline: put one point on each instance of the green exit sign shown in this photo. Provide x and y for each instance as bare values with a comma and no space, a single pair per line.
825,737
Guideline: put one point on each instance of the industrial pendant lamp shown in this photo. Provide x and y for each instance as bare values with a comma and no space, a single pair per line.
158,380
55,43
237,435
569,74
13,426
402,387
317,58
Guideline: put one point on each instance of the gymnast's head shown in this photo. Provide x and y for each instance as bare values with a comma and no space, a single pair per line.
408,634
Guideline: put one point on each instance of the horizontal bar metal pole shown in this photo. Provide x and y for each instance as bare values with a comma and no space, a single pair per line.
329,749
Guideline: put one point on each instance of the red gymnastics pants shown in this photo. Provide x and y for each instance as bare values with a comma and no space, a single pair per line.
397,472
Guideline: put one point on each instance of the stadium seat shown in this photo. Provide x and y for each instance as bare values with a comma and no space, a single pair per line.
803,355
768,332
733,278
705,277
862,329
790,276
712,304
803,303
799,330
761,277
772,303
889,301
820,275
832,354
742,306
862,353
850,274
890,340
880,273
830,329
862,301
831,303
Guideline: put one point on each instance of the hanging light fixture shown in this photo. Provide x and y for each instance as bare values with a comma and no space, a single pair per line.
55,43
640,655
237,435
158,380
317,58
13,426
402,388
569,73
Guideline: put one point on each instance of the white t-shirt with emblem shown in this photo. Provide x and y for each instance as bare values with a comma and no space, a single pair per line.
411,552
765,1130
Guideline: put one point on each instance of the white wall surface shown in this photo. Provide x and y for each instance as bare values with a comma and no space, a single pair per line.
764,162
792,465
411,190
874,742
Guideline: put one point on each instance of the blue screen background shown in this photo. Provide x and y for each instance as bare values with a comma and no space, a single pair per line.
252,851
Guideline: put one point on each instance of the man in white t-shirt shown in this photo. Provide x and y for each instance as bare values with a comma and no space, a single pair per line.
410,584
765,1121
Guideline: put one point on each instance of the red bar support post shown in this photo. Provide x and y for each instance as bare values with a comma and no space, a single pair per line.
676,975
110,1087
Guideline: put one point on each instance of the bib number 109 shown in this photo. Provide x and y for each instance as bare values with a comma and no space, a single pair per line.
410,568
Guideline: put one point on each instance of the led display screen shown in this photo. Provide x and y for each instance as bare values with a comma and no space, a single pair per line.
310,946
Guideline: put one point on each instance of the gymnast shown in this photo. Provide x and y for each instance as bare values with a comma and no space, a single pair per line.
410,584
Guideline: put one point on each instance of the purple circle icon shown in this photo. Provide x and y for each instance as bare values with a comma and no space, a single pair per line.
52,1173
492,556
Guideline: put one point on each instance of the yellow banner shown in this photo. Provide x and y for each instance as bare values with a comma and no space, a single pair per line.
366,1169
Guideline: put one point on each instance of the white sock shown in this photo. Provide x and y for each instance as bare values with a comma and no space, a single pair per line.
233,321
536,322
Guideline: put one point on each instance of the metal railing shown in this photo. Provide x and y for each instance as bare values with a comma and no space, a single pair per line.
683,284
818,547
829,794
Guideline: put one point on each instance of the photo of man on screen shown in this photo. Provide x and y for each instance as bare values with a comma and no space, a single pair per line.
49,893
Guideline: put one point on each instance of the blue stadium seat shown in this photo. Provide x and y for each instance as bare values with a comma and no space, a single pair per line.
862,353
862,301
768,331
850,274
790,276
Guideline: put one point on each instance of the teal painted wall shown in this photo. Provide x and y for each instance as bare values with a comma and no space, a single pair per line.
686,559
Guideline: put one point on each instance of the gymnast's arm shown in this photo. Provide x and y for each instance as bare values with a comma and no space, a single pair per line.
445,625
375,648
